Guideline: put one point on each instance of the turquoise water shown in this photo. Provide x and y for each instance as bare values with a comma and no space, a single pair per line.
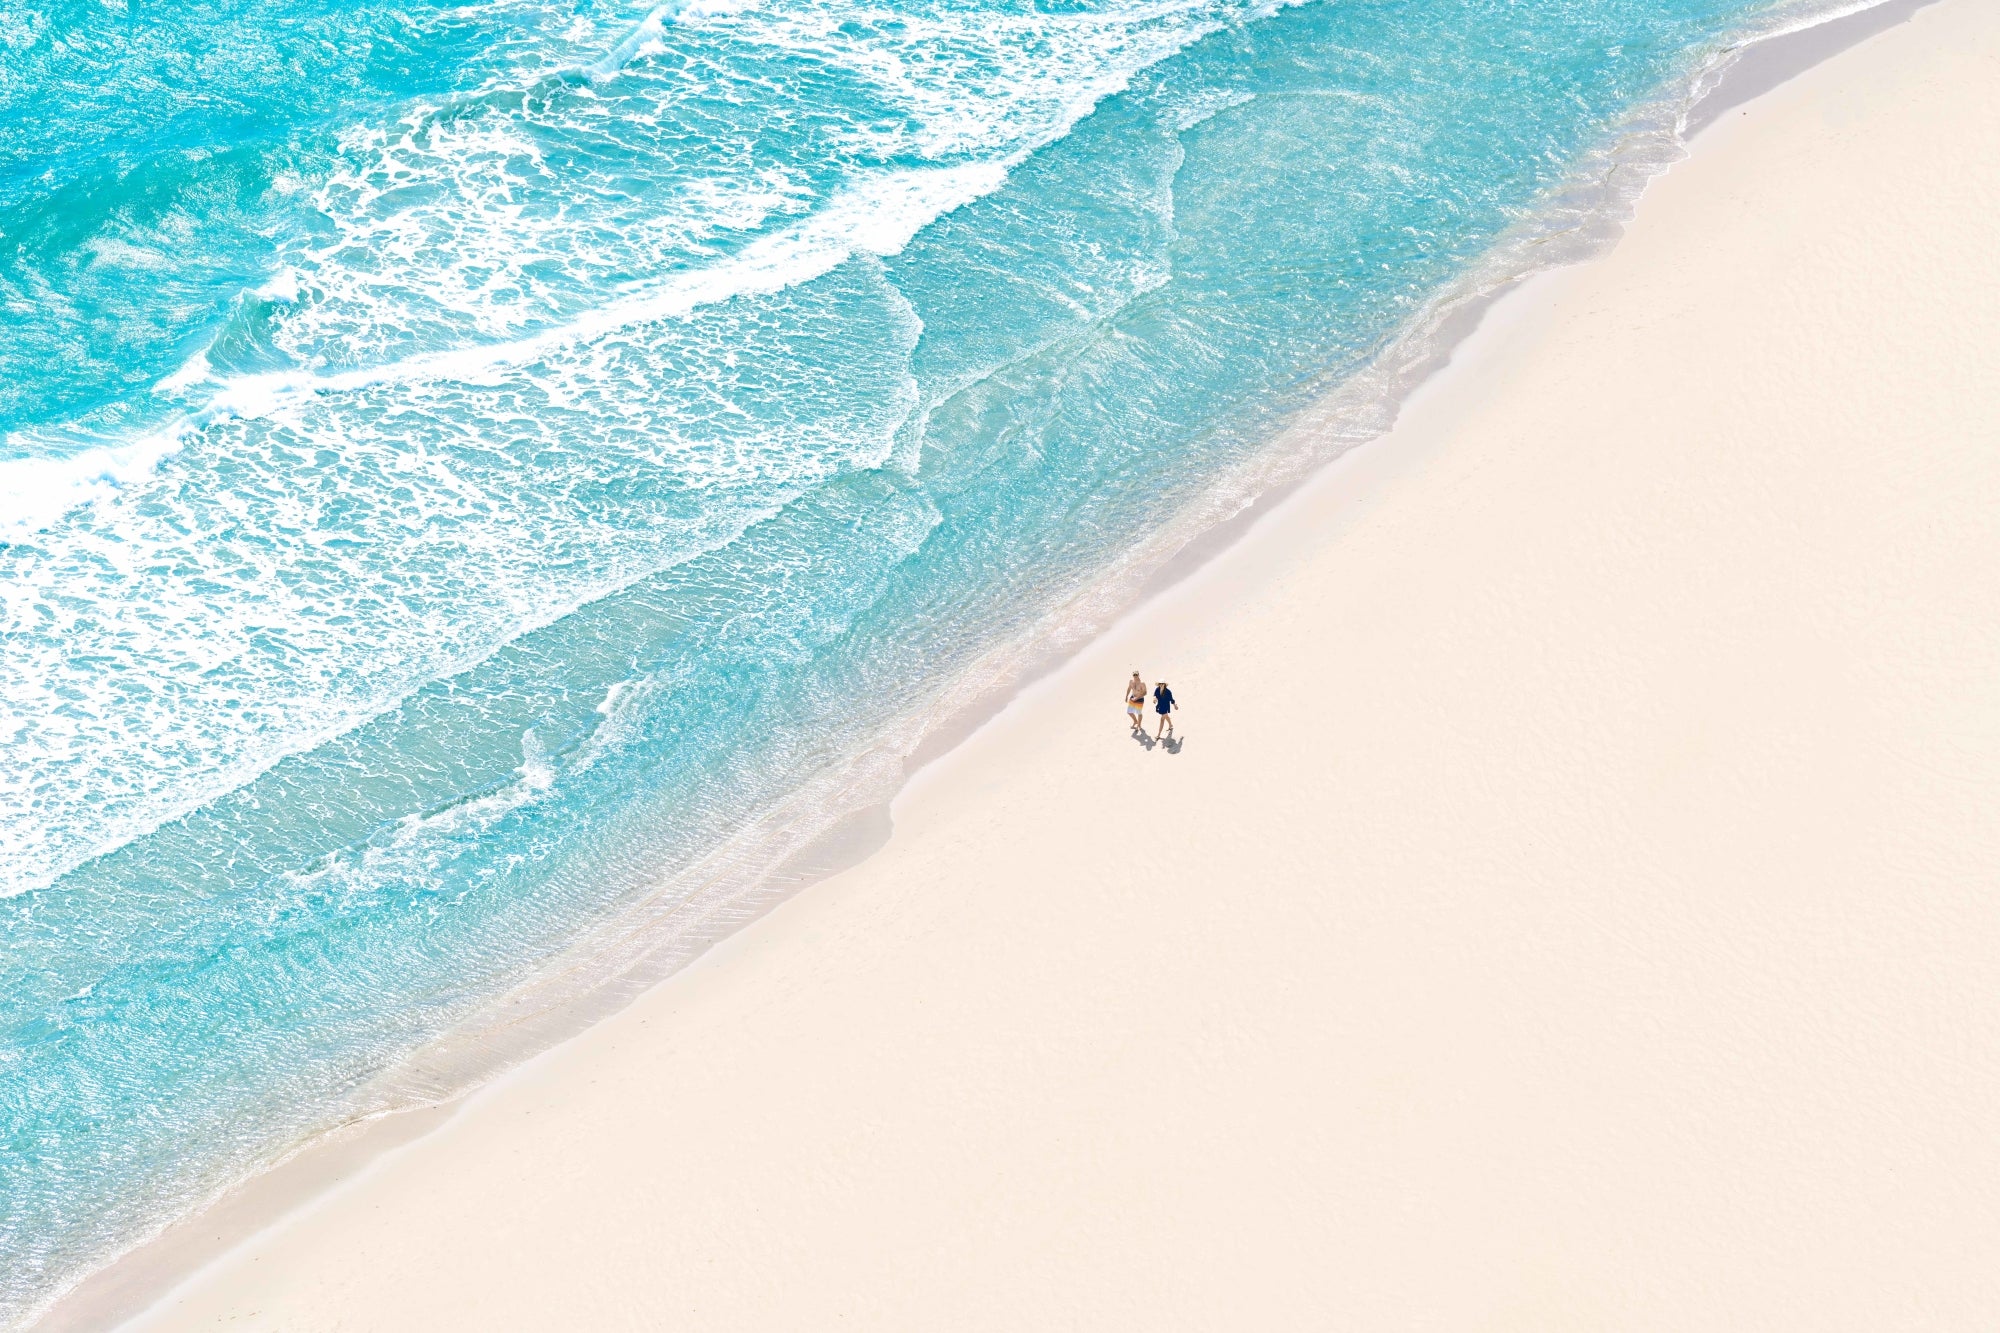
465,464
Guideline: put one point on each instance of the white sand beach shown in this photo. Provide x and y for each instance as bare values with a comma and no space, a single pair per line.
1575,903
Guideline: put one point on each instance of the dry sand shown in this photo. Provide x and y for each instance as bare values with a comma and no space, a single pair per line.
1576,903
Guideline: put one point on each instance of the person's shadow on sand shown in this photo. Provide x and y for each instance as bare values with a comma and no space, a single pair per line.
1172,744
1145,741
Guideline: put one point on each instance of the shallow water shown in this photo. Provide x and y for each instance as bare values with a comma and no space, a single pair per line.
462,463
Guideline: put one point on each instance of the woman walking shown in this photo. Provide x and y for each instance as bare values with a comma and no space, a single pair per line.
1163,704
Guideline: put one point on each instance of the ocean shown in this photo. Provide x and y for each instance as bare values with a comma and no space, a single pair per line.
483,486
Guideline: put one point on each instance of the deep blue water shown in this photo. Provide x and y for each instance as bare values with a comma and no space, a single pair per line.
462,463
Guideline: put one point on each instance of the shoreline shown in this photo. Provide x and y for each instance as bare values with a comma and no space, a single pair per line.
142,1277
1609,950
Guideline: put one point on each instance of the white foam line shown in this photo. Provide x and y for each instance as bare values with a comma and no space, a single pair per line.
880,219
622,54
35,492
